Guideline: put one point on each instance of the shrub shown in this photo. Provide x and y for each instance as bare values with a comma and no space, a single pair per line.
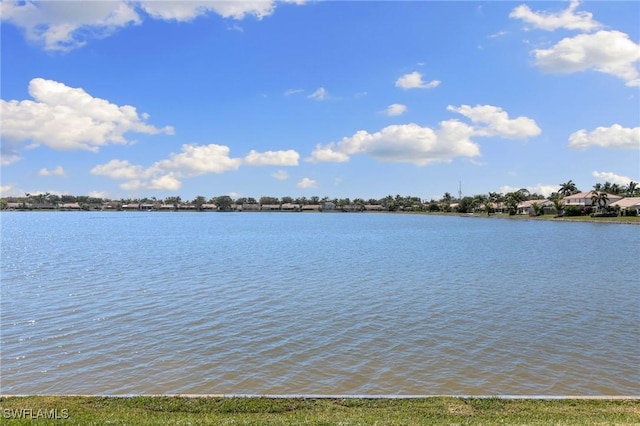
572,211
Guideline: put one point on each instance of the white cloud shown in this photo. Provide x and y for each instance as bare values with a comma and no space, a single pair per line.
281,175
406,143
307,183
98,194
292,92
58,171
568,19
193,160
272,158
8,157
188,10
612,177
414,81
118,169
197,160
66,118
63,26
542,189
395,109
319,95
609,52
411,143
615,136
495,121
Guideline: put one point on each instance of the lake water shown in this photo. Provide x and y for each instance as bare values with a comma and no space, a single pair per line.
317,303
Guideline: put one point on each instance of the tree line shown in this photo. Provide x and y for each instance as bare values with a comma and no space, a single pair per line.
468,204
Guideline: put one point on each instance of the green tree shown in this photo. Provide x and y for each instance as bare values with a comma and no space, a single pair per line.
198,202
631,189
223,202
599,199
556,199
568,188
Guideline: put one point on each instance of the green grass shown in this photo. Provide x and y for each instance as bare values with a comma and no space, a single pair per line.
173,410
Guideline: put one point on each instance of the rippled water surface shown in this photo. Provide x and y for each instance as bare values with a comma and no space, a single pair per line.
310,303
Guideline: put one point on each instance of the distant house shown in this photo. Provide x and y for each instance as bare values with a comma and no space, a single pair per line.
166,207
131,207
69,206
352,207
310,208
526,207
374,208
290,207
583,199
328,206
209,207
628,204
250,207
186,207
270,207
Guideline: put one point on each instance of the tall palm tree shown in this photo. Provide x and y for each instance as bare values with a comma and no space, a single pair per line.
567,188
632,188
600,199
556,199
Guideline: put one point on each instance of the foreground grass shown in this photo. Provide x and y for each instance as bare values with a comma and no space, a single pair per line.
173,410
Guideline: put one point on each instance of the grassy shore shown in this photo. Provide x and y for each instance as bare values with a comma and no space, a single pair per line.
174,410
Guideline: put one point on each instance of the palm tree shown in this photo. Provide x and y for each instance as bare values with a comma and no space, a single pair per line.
632,188
567,188
556,199
600,199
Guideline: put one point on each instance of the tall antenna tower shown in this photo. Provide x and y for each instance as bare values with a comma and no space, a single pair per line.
460,190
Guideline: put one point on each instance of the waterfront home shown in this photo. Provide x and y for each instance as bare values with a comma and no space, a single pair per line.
311,208
629,204
131,207
374,208
290,207
209,207
166,207
249,207
526,207
583,199
69,206
328,206
270,207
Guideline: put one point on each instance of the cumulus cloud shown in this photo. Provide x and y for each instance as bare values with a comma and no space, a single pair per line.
58,171
609,52
405,143
414,81
615,136
395,109
611,177
290,92
542,189
272,158
188,10
193,160
319,95
494,121
307,183
63,26
568,19
281,175
67,118
8,155
422,145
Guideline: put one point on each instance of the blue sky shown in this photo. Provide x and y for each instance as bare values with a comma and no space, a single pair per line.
125,99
